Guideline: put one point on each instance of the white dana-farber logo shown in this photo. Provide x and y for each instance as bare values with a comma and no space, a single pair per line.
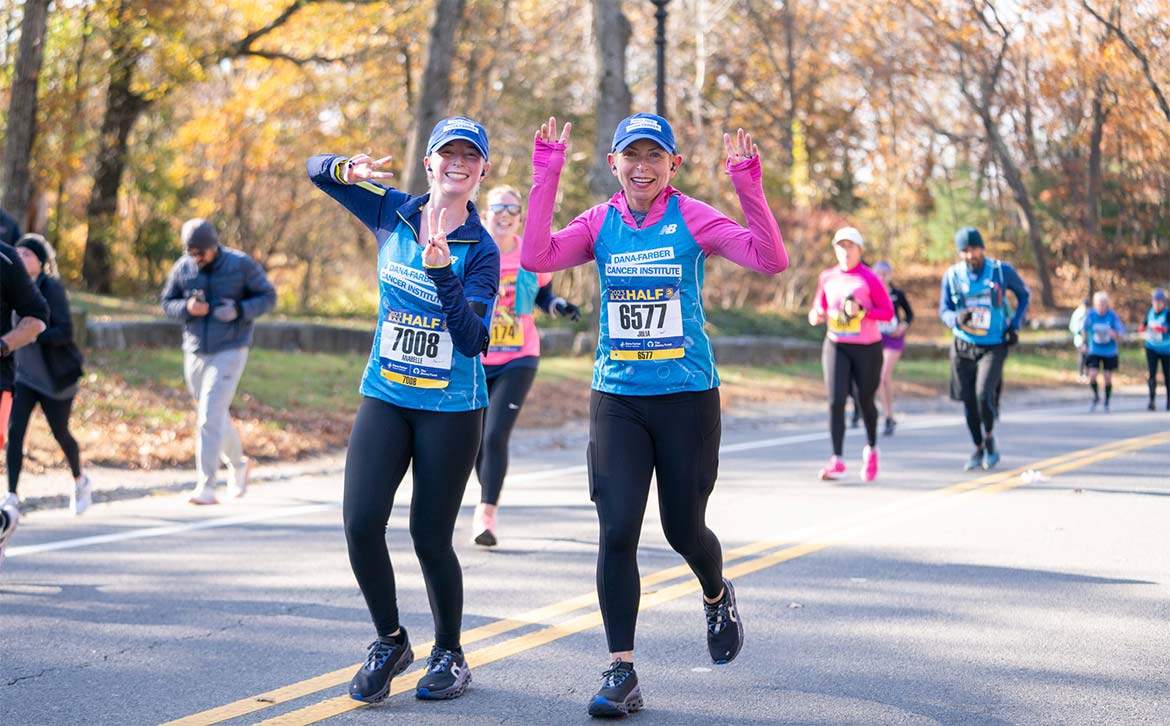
643,123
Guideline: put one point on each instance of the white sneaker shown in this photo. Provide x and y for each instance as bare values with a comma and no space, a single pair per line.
8,526
201,498
240,477
82,494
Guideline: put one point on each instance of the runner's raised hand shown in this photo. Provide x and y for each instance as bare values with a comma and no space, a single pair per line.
742,148
436,253
548,132
361,168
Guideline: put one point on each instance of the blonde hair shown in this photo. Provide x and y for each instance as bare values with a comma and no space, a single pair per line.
496,192
1099,296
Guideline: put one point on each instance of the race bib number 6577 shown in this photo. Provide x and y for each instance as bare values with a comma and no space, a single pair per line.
645,322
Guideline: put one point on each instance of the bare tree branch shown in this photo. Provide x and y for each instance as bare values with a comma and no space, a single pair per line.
1135,51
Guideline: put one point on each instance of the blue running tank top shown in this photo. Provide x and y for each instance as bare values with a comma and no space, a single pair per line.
414,363
651,340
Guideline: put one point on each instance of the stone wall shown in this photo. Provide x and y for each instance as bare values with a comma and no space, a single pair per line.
314,337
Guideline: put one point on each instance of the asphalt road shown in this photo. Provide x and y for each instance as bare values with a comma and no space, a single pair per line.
1038,593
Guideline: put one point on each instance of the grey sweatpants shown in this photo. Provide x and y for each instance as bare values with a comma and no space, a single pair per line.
212,379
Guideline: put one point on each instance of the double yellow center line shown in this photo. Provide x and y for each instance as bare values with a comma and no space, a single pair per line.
738,562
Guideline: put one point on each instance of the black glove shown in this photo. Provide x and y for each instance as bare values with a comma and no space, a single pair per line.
563,308
964,317
1011,337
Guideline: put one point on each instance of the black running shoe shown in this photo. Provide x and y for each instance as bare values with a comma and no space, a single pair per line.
447,675
619,694
724,629
890,424
384,661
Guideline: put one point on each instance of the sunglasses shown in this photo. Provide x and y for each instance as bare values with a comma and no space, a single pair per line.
509,208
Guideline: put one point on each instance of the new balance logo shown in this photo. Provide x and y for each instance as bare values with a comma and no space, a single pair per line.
669,229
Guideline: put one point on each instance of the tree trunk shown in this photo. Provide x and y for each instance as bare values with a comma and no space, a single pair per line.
1093,191
1011,173
789,81
612,30
434,93
123,107
22,111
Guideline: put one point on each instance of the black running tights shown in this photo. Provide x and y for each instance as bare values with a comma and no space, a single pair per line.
506,394
24,400
979,371
440,448
846,365
1153,358
675,438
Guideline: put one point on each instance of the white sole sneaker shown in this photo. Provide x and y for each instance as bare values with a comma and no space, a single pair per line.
239,486
82,495
12,515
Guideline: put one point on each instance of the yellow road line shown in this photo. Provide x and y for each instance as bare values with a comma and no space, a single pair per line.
870,519
538,616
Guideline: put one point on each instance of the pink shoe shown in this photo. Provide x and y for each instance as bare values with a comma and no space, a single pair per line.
483,527
835,469
869,460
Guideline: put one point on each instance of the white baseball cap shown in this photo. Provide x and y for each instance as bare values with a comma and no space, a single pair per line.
851,234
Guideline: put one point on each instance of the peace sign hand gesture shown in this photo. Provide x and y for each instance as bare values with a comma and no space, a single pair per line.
548,132
362,168
742,150
436,253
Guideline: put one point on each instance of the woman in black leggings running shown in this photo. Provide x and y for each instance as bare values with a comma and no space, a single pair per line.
423,390
47,372
851,300
654,409
512,358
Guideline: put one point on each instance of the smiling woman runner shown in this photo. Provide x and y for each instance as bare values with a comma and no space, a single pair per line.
422,390
851,300
654,408
512,358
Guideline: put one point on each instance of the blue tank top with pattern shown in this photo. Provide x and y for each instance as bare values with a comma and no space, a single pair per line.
414,363
651,340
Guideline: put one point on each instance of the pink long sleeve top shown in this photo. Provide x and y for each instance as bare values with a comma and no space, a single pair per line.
863,284
758,246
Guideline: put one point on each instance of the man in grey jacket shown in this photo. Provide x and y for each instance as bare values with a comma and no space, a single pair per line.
217,292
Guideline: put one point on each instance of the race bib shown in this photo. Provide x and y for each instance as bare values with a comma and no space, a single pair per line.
887,327
1156,333
843,326
980,319
507,332
415,349
1102,334
645,321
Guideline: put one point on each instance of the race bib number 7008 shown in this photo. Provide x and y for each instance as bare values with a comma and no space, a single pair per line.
415,350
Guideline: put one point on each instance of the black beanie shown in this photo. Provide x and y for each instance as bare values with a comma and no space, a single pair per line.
36,244
199,233
968,237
